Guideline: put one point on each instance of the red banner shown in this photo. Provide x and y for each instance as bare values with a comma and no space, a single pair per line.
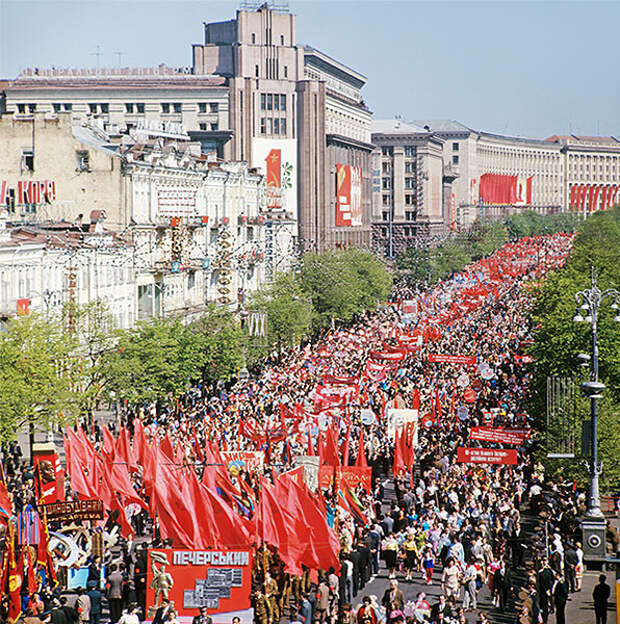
467,455
348,476
500,435
217,579
348,195
466,360
389,357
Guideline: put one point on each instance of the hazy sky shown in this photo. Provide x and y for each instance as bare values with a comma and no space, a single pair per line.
527,68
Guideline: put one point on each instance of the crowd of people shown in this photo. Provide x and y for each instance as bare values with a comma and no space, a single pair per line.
453,524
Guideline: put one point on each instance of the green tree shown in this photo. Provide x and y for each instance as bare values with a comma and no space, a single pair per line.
333,284
558,340
155,361
222,344
92,327
39,373
374,279
288,308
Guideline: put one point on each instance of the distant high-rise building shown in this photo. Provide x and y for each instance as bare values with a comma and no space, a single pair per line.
298,115
253,94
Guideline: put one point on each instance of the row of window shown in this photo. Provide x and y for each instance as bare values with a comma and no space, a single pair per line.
410,151
272,126
409,215
409,200
272,101
208,126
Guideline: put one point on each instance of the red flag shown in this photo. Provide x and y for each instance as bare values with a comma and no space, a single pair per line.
345,446
276,527
399,460
109,443
15,578
415,400
119,481
140,443
6,505
310,445
167,448
197,447
320,448
43,555
32,583
324,540
360,460
123,451
331,448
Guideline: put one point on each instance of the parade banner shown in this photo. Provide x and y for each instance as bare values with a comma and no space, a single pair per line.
310,464
243,460
467,455
67,511
402,418
465,360
389,357
220,580
49,475
348,476
499,435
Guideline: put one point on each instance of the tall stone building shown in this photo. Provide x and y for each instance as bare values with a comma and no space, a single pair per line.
254,94
409,177
298,115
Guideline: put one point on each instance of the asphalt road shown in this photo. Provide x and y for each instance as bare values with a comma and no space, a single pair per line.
411,589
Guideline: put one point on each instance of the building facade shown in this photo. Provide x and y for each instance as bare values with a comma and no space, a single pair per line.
199,228
44,268
298,116
252,94
497,174
408,186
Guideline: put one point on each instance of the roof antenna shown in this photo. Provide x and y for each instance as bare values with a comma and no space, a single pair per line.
98,54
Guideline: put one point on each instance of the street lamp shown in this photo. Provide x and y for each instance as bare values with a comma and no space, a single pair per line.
588,303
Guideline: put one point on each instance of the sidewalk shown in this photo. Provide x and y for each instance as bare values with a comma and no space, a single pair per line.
580,610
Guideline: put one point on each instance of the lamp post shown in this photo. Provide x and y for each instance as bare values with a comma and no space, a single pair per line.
589,301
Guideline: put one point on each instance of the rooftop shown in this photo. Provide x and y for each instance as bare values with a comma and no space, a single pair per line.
328,63
394,126
123,77
441,125
573,139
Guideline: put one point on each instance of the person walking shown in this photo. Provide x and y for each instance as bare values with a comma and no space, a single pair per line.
450,578
95,602
502,585
570,567
560,597
82,606
600,596
115,594
469,584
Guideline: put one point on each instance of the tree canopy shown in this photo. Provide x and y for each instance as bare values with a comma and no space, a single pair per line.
558,340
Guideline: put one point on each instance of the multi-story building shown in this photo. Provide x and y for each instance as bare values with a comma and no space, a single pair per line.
298,115
591,172
496,174
44,268
408,185
200,229
125,98
252,94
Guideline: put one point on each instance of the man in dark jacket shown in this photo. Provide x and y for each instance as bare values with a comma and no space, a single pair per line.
545,585
560,597
502,585
95,602
570,565
600,596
